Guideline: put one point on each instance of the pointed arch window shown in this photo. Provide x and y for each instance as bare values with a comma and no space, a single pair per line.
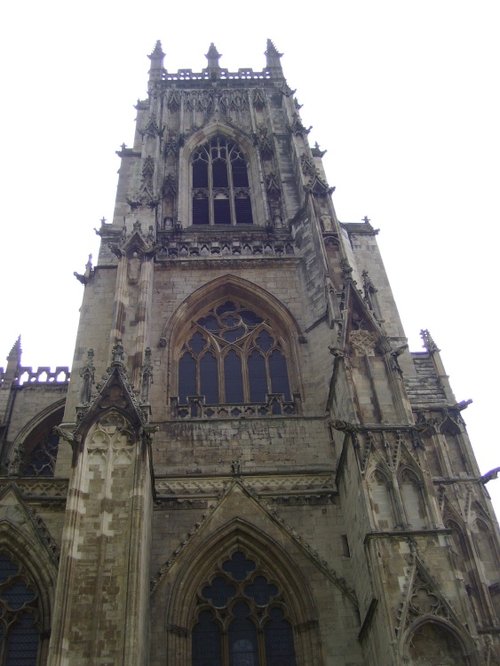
434,643
35,454
232,355
241,618
382,500
413,501
221,191
19,615
40,457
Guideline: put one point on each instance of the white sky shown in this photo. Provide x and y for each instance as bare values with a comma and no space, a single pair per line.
403,94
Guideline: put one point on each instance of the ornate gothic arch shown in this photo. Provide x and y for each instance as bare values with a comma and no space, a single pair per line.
429,638
29,436
249,295
381,493
412,491
188,575
21,543
204,135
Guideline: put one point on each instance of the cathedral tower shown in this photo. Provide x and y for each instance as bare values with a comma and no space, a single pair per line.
247,465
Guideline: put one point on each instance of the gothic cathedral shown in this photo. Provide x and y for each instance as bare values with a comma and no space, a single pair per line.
246,465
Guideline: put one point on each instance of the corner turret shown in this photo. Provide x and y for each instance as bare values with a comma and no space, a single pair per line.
156,57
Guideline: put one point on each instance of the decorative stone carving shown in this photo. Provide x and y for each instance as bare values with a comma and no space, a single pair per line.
316,151
258,98
147,376
286,485
36,488
273,188
307,165
89,271
169,188
87,375
297,128
319,187
174,100
429,343
173,143
362,343
151,128
145,196
148,169
264,142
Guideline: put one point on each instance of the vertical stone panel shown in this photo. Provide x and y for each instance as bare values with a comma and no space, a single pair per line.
104,561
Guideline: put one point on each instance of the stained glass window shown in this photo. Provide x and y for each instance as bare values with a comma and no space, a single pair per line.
242,619
19,615
206,641
233,355
221,192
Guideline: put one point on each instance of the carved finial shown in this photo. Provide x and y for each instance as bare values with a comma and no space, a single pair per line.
236,467
213,59
316,151
87,375
366,219
157,51
429,343
117,352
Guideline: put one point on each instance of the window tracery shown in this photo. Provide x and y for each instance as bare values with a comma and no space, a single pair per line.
221,191
40,459
241,618
19,615
232,355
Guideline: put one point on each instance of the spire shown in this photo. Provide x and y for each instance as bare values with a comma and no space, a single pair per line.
156,57
273,59
13,364
213,56
15,352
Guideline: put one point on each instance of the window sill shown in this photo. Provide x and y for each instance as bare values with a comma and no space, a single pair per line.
195,408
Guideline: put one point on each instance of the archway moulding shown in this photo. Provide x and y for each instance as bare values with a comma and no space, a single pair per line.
230,286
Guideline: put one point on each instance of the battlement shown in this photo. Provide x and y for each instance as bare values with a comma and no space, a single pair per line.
244,73
42,375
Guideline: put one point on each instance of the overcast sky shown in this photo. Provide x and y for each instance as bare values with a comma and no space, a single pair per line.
403,95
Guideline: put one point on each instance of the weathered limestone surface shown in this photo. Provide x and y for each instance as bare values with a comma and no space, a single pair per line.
348,487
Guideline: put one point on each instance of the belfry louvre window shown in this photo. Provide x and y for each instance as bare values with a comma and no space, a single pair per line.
19,616
232,355
221,192
241,619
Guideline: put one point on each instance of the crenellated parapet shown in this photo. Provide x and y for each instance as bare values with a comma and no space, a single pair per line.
43,375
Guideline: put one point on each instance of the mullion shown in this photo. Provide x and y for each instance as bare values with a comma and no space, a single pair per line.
229,167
